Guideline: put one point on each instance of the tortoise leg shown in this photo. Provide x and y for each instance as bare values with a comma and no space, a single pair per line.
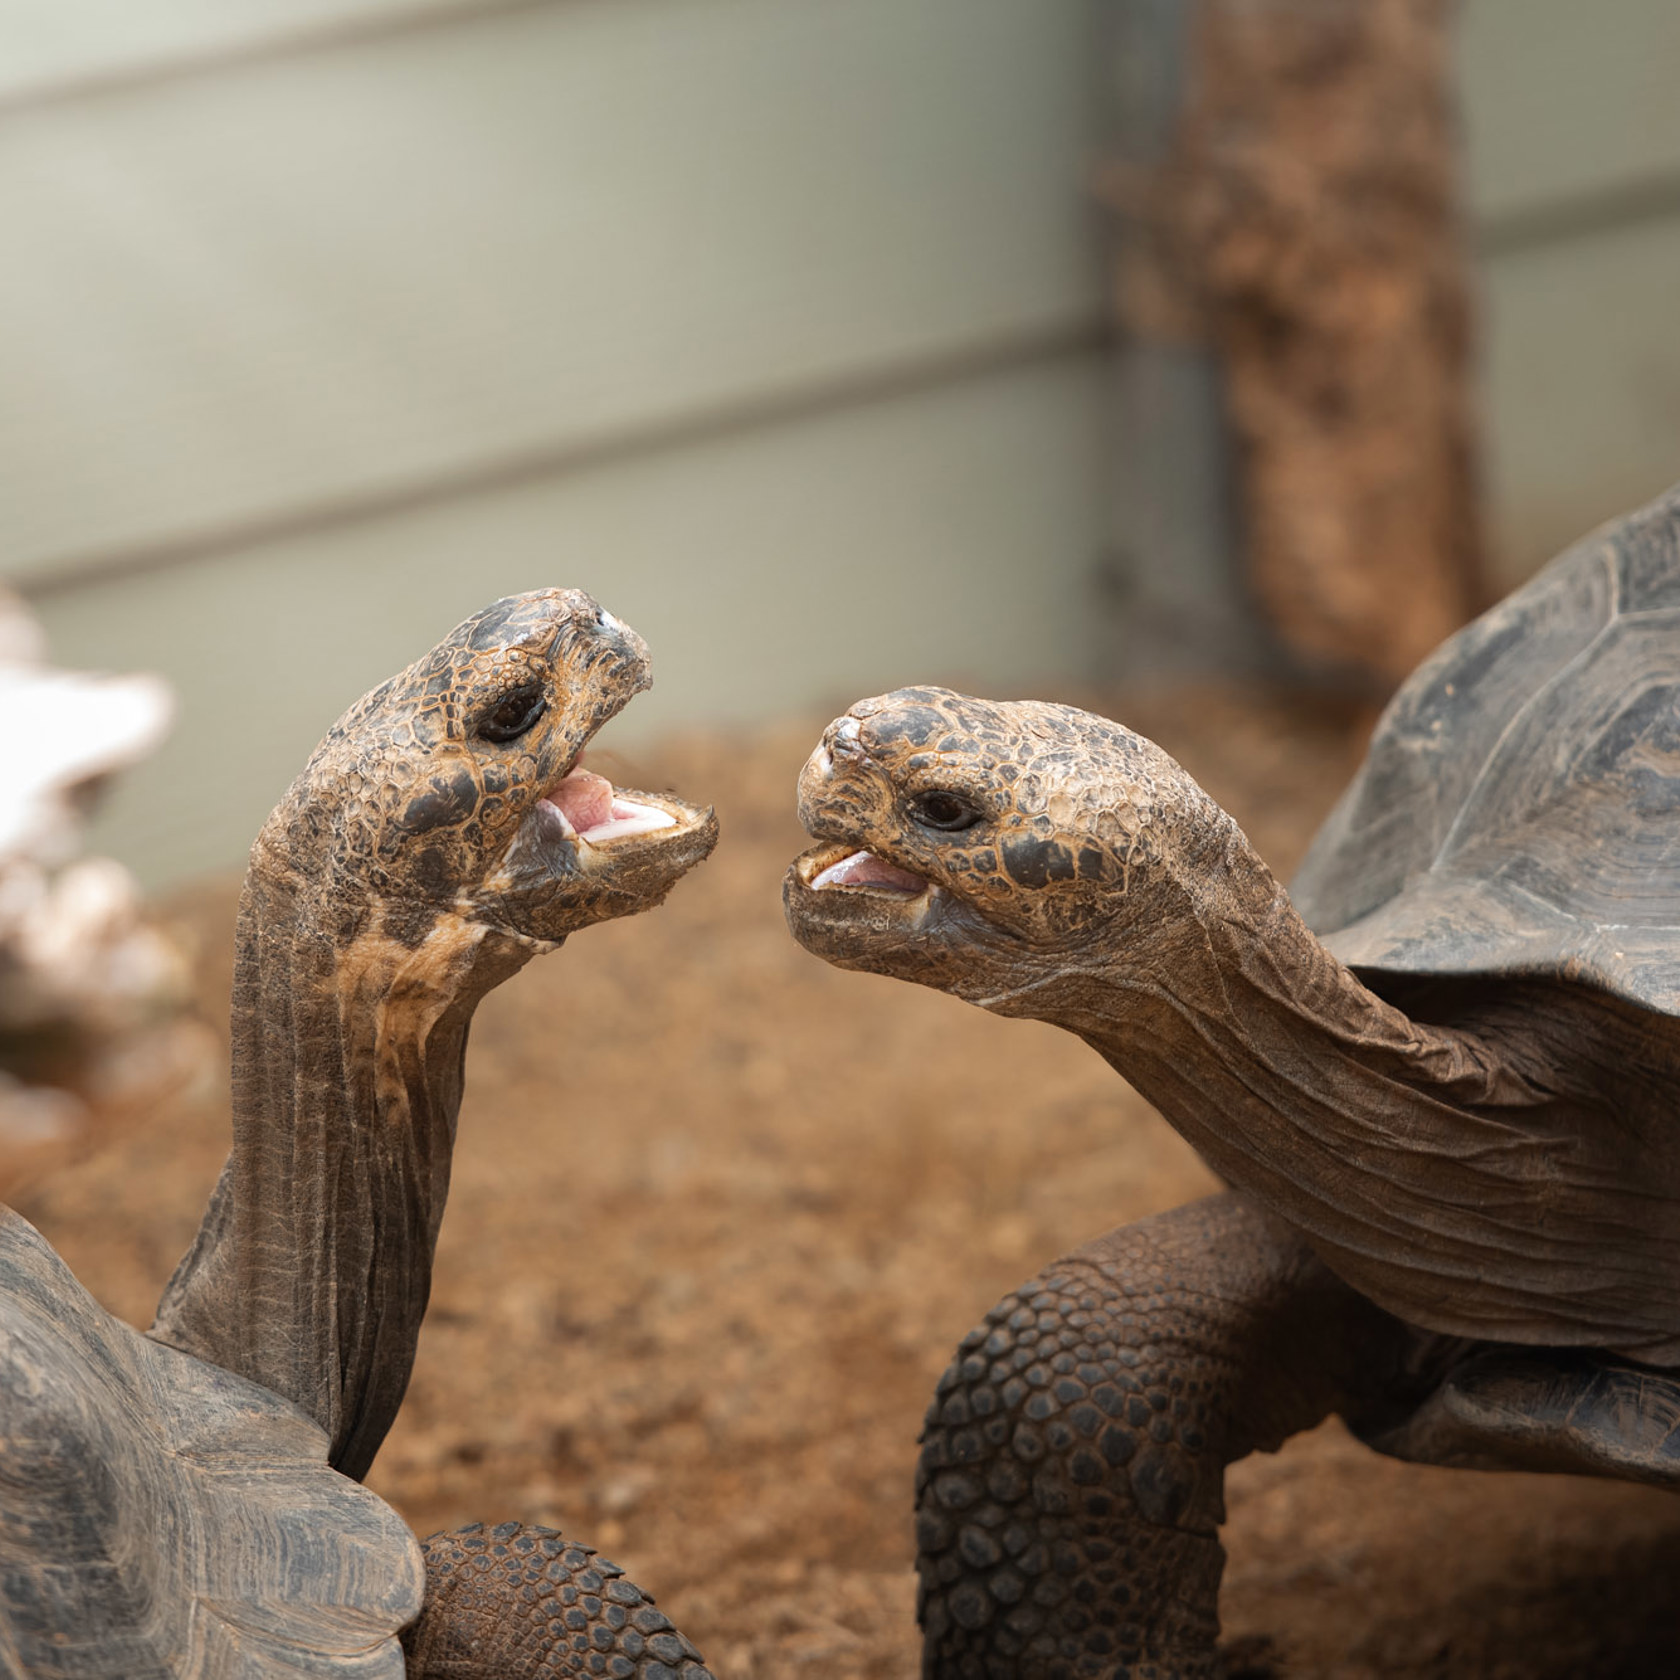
1071,1481
517,1602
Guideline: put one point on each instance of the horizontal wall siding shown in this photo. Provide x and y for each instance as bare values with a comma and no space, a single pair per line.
1573,148
369,310
944,535
1566,100
53,48
1582,379
331,278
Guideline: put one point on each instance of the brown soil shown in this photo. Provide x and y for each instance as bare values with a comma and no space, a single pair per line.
720,1214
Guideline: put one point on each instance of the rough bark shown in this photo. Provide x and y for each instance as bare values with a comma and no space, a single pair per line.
1305,226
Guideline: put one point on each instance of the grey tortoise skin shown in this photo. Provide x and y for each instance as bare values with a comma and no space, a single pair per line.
1455,1219
184,1505
1069,1489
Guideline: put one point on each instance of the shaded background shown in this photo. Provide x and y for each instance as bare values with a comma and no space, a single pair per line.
1055,345
787,329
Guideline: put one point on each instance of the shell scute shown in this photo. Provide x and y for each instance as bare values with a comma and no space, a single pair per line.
1517,812
161,1517
1647,579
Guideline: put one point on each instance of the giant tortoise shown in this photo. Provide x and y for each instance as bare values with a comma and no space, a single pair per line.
184,1505
1440,1077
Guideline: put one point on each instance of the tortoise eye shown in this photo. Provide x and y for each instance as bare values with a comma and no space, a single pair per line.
950,813
514,713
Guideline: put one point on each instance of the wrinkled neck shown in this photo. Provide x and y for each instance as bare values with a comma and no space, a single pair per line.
1293,1080
311,1271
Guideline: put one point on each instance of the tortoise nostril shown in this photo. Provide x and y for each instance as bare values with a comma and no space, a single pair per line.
843,738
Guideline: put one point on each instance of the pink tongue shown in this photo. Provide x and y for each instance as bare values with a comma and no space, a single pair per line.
864,869
584,799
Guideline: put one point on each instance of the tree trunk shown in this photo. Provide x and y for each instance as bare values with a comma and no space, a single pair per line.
1305,225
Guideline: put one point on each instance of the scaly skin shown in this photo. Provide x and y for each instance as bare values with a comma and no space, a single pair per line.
519,1601
412,866
1443,1162
186,1503
1070,1485
1429,1182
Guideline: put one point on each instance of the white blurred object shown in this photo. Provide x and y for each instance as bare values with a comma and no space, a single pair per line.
74,729
22,641
92,991
75,945
32,1115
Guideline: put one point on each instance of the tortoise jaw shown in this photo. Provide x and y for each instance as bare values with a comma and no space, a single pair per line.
843,867
857,910
557,879
847,917
641,826
593,812
587,851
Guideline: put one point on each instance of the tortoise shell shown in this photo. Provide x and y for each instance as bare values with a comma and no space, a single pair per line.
1518,812
167,1520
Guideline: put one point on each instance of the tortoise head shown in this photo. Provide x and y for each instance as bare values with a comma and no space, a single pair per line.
455,788
984,847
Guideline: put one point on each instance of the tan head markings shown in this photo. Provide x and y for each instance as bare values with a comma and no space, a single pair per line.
430,797
1034,829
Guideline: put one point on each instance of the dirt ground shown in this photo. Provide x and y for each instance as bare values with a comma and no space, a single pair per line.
694,1289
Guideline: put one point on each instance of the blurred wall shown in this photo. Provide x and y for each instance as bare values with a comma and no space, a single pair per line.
1573,127
777,326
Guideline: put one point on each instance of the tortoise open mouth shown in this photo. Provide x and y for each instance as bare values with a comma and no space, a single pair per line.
592,810
842,867
587,851
581,851
844,902
863,871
